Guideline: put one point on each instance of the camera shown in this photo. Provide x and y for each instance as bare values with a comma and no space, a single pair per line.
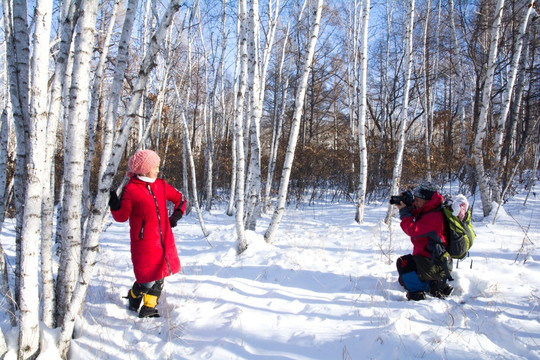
406,197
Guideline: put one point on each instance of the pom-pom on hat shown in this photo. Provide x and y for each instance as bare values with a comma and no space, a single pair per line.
425,191
142,162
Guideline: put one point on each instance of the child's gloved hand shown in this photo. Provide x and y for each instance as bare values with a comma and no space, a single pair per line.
177,214
114,201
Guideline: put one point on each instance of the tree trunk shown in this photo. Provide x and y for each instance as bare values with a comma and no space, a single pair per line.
239,128
68,19
74,152
17,56
507,97
362,185
481,133
398,163
295,128
29,333
116,86
254,89
93,114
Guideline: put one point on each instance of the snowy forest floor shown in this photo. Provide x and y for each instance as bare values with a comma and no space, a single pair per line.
326,289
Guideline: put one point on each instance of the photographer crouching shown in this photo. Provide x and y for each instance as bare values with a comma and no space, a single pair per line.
428,268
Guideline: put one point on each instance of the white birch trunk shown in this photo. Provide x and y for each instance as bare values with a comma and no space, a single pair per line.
17,54
74,152
427,92
5,290
254,87
353,35
460,79
67,21
116,86
277,121
95,223
93,113
235,101
481,134
507,97
362,109
398,164
239,128
295,128
29,333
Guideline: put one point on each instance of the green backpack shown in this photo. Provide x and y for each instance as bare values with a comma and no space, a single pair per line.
459,233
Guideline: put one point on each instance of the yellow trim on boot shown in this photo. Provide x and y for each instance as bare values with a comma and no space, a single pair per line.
132,294
150,300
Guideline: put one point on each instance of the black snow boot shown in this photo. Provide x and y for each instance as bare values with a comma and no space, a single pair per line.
149,307
134,296
416,296
150,299
440,289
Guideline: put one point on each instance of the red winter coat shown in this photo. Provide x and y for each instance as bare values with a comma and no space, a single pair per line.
422,221
153,251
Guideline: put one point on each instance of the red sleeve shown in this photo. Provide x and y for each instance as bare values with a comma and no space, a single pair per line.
175,196
123,213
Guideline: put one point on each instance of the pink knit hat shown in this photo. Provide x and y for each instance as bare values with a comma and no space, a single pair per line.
142,162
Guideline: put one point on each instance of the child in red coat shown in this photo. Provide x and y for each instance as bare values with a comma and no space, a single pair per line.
153,250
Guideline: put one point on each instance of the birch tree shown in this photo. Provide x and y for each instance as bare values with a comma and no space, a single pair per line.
18,58
295,127
67,20
506,103
254,116
116,86
398,163
239,128
461,96
279,113
74,153
29,333
362,109
481,134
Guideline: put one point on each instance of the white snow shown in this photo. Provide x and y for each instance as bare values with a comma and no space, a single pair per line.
326,289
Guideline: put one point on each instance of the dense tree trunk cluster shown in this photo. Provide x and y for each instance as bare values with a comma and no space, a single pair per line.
255,103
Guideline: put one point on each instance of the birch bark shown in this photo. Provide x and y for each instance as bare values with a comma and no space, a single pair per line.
116,86
5,290
235,101
254,89
481,134
29,334
239,128
17,56
68,19
93,113
295,128
398,163
362,109
507,97
74,153
279,114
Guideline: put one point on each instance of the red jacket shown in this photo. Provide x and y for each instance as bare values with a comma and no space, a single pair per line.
422,221
153,251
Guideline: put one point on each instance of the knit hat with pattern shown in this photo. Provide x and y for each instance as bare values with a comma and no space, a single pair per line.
425,191
142,162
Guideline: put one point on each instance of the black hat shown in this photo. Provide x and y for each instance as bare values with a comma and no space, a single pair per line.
425,191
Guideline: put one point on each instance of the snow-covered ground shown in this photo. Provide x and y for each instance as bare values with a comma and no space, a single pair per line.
326,289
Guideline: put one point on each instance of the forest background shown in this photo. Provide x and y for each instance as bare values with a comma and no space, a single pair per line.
251,103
